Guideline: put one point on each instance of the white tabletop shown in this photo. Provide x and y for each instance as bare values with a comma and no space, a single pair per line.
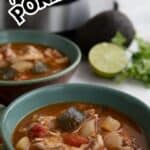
139,12
85,75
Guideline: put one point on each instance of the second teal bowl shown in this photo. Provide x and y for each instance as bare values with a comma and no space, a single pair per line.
16,88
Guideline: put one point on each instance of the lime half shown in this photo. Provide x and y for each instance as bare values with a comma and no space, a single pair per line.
107,59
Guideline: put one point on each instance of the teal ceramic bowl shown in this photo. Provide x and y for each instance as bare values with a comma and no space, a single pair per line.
132,107
16,88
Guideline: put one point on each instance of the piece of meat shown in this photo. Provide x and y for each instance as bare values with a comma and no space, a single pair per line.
57,54
49,53
43,146
9,53
98,143
88,128
48,121
31,53
90,112
50,143
63,60
52,53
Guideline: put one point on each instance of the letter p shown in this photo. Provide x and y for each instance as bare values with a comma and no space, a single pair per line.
17,13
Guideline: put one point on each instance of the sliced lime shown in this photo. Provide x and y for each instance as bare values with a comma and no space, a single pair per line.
107,59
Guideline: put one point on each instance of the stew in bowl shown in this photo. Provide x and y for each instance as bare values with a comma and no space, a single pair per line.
32,59
25,61
76,117
78,126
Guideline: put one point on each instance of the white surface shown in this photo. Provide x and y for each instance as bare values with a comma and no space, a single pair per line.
139,12
85,75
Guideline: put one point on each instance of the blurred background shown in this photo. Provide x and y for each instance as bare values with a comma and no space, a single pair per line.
137,10
67,17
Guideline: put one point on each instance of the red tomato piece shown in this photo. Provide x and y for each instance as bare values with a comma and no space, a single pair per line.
37,131
74,140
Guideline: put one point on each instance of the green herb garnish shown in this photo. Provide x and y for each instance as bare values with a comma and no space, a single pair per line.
139,68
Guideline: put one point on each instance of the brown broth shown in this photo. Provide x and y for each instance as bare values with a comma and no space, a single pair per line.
127,124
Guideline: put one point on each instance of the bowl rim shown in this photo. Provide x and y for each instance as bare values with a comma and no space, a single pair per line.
50,77
135,100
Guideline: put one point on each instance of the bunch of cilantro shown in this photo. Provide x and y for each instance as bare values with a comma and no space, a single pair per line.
139,67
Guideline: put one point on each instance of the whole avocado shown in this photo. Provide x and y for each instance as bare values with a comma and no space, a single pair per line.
103,27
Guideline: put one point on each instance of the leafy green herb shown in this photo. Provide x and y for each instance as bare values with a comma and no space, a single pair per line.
119,39
143,45
139,69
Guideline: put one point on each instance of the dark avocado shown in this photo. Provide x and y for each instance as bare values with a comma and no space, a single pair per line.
103,27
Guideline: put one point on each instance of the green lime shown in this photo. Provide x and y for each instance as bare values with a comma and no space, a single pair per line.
107,59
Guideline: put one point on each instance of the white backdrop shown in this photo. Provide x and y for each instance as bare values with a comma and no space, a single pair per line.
137,10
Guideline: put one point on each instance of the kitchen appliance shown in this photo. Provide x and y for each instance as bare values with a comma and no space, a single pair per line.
64,17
